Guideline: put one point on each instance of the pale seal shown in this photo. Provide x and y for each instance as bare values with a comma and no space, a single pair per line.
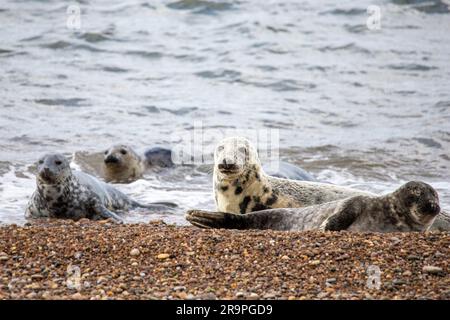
121,164
63,193
241,185
412,207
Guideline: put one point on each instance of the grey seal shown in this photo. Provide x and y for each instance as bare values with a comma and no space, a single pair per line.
63,193
121,164
289,171
412,207
241,185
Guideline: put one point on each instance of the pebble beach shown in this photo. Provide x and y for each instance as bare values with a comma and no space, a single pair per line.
104,260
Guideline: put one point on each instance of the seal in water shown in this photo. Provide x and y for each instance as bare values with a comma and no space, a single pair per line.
241,185
290,171
121,164
412,207
63,193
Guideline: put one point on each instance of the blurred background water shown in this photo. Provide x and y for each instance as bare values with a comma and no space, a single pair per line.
354,106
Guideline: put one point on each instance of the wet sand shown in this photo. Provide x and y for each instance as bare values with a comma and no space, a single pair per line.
159,261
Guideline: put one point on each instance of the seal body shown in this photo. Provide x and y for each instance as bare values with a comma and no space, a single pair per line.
63,193
158,157
412,207
241,185
291,172
121,164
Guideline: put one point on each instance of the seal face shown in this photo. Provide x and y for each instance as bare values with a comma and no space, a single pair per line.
63,193
412,207
122,164
241,185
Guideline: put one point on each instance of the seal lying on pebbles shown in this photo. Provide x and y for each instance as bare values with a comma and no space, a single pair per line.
412,207
63,193
241,185
122,164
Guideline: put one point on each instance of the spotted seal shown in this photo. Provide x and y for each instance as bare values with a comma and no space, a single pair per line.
412,207
241,185
121,164
63,193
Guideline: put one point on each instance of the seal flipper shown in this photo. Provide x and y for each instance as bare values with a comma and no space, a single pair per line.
262,220
346,216
106,214
158,206
207,219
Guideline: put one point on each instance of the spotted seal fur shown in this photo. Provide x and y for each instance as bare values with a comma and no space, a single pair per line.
241,185
412,207
63,193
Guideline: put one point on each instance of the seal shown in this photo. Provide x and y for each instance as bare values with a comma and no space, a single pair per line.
121,164
241,186
67,194
412,207
290,171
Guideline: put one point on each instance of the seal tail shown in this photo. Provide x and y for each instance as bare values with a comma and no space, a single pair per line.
224,220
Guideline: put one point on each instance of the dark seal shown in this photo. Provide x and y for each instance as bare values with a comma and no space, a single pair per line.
412,207
63,193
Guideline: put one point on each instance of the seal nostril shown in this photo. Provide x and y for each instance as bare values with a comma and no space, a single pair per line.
432,208
111,159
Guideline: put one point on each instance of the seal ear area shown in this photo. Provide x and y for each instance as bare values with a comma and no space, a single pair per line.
421,195
208,219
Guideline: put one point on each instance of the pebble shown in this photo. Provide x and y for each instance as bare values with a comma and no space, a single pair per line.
253,296
215,269
135,252
179,288
432,269
163,256
77,296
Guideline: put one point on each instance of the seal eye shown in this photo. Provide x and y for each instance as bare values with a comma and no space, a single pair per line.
106,152
58,162
41,161
220,148
123,151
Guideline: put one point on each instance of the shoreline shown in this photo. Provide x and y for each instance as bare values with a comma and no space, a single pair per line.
102,260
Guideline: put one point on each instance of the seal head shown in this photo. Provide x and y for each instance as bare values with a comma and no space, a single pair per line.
235,157
52,169
122,164
421,200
